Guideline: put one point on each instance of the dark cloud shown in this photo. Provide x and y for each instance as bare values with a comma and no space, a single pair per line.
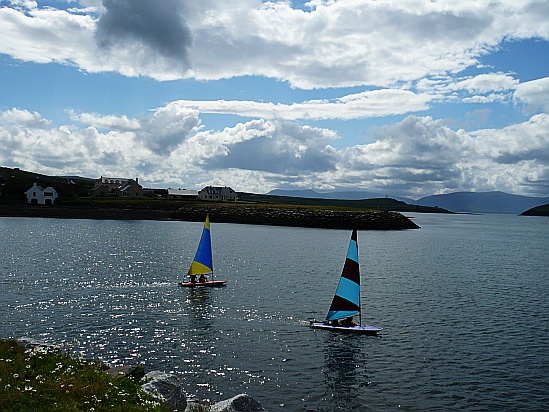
158,25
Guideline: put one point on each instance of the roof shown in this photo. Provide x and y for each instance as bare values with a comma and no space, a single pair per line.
182,192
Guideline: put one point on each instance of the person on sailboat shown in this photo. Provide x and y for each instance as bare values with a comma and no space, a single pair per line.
348,322
193,278
202,279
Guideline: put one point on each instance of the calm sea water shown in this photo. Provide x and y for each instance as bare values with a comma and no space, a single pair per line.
464,303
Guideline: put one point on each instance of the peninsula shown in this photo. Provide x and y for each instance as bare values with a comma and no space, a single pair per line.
222,212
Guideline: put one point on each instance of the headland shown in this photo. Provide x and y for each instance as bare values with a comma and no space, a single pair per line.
222,212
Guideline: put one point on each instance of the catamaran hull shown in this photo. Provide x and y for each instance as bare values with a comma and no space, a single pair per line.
209,283
359,329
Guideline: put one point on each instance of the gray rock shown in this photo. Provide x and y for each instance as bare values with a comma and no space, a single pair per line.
166,388
30,343
238,403
137,372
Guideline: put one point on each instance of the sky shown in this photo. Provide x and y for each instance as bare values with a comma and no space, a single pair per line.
402,98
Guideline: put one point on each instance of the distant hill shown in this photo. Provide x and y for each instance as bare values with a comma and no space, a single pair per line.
483,202
542,210
382,203
14,182
341,195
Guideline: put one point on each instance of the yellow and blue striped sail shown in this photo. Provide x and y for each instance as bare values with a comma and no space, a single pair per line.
346,301
203,262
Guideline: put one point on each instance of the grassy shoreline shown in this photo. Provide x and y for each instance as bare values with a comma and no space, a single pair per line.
40,379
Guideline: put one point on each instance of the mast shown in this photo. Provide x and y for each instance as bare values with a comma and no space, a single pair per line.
358,270
211,249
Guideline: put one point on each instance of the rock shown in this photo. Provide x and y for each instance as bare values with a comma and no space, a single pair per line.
135,371
30,343
238,403
166,388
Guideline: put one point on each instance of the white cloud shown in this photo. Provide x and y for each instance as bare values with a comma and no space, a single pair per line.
534,94
106,122
483,88
486,83
357,106
420,156
275,147
335,44
415,157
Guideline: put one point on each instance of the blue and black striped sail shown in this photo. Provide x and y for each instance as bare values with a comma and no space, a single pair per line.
347,297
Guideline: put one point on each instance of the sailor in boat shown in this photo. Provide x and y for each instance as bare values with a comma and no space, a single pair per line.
193,278
347,322
202,279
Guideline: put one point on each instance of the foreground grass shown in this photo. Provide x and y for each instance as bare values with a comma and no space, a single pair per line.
36,380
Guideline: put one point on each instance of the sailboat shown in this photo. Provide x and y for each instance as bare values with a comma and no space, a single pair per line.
203,262
346,302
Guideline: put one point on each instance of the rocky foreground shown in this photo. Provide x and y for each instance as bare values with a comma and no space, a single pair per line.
166,388
293,216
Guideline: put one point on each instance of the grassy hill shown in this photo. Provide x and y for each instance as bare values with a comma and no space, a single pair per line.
15,182
383,204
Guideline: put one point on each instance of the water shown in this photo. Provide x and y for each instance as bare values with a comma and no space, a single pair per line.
464,303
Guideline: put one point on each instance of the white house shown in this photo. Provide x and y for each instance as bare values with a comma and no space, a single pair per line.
217,193
37,195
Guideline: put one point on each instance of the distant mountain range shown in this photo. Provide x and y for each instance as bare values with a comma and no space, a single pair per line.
460,202
483,202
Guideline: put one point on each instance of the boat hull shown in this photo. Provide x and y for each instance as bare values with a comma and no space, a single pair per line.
209,283
358,329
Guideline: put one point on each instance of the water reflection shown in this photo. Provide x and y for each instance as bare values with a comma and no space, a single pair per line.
345,372
200,302
200,339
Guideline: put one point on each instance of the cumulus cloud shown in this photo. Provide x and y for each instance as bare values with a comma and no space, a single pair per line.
423,156
534,94
415,157
330,44
348,43
167,128
273,146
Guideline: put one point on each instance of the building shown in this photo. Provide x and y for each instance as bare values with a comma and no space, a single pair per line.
217,193
117,187
182,194
37,195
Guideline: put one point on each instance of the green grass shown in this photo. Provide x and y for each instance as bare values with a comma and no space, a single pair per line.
40,380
